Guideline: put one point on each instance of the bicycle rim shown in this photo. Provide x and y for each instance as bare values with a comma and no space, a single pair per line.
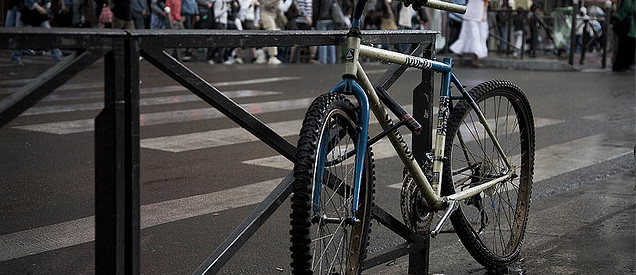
491,224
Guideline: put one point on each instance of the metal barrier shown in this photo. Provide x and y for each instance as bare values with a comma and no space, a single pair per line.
538,33
117,145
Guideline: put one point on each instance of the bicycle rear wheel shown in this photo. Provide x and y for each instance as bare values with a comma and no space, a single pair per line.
324,240
491,224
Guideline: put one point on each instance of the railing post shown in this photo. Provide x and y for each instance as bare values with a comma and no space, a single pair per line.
422,144
575,11
117,203
606,32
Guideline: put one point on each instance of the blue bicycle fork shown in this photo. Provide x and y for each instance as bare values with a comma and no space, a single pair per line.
347,86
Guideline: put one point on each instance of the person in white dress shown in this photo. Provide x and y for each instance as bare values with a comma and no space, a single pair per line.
474,32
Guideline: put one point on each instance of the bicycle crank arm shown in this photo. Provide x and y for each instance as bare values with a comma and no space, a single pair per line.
452,206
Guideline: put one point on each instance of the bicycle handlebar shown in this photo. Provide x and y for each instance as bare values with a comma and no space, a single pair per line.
437,4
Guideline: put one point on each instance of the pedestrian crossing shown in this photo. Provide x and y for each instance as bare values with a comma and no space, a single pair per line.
550,161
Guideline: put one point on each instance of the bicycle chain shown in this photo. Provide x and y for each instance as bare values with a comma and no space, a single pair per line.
416,217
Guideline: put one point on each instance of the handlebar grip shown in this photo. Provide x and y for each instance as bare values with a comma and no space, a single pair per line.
441,5
436,4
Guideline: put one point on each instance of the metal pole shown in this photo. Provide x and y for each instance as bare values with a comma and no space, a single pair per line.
575,11
117,164
422,144
606,32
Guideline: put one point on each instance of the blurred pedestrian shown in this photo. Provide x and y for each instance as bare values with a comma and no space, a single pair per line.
122,14
473,35
64,13
455,22
140,13
304,22
35,14
270,9
502,26
518,23
323,20
159,14
13,20
221,9
626,34
175,19
581,20
190,13
404,22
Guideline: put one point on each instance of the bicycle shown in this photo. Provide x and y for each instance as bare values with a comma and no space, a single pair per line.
479,173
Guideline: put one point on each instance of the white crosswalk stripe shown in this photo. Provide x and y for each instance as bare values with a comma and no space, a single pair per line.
87,125
550,161
55,109
381,150
569,156
92,85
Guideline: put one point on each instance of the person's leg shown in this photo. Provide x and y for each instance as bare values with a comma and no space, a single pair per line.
331,58
322,50
11,17
139,20
55,53
268,19
518,42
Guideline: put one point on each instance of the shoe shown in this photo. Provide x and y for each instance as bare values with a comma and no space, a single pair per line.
274,61
239,60
230,60
211,62
476,64
260,57
186,58
314,61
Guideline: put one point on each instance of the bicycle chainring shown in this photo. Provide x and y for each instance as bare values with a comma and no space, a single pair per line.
416,217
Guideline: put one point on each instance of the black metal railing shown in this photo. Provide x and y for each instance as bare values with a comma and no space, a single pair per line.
117,145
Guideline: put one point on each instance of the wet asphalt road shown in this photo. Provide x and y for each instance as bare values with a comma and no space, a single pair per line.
582,214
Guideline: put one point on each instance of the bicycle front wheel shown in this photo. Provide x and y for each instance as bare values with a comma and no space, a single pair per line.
492,223
324,238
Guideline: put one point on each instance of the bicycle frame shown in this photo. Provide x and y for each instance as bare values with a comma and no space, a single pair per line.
355,82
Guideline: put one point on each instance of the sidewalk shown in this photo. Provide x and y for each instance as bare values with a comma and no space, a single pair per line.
34,65
592,62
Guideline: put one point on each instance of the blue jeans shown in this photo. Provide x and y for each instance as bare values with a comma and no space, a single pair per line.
16,56
139,20
13,20
326,54
157,22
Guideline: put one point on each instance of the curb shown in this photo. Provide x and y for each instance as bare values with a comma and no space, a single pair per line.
529,64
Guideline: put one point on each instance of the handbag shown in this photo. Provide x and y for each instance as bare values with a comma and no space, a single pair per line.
106,16
337,15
